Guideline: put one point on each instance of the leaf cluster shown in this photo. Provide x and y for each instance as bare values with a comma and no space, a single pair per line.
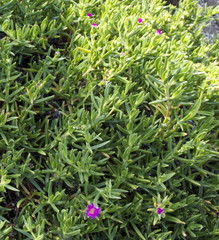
114,115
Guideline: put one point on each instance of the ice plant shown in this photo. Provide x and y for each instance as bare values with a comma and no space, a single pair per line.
89,14
158,32
140,20
94,24
92,211
159,210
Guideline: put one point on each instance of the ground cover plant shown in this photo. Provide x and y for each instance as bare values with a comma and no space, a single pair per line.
109,120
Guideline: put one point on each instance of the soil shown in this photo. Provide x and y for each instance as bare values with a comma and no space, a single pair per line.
212,30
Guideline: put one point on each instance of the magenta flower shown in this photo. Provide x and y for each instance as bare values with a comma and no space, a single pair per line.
89,14
94,24
158,32
92,211
159,210
140,20
122,53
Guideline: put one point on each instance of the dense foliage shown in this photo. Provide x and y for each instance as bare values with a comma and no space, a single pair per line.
118,108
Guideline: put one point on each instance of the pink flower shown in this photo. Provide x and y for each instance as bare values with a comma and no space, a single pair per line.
94,24
140,20
89,14
122,53
158,32
92,211
159,210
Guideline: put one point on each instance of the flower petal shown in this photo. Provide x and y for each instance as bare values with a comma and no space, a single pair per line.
158,32
160,210
92,211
